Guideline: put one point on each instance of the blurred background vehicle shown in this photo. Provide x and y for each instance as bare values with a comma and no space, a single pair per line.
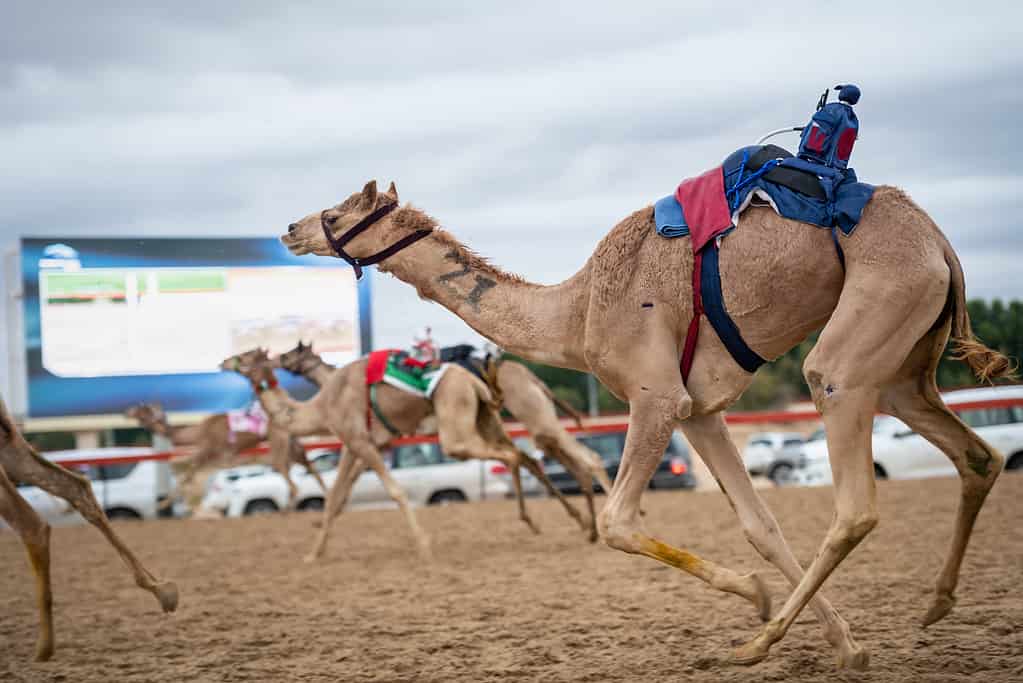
674,471
773,454
428,476
127,490
901,453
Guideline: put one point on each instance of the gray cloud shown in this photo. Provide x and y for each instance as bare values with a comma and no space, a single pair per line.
529,129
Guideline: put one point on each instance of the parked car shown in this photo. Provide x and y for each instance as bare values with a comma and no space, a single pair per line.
128,490
428,476
774,454
674,471
901,453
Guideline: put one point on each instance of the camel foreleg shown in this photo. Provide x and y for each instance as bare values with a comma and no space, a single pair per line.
708,435
74,488
620,523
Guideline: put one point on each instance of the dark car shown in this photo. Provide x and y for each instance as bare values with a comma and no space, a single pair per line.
674,471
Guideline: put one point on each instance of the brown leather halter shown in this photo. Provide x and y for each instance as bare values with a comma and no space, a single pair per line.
338,243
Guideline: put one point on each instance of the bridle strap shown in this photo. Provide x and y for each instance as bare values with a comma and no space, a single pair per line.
338,243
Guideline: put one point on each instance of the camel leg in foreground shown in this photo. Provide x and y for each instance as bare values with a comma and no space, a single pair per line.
651,423
915,400
846,372
30,468
709,437
76,489
35,534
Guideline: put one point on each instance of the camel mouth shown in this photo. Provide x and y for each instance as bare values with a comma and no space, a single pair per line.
295,245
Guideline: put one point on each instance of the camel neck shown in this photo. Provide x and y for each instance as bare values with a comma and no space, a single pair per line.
543,323
319,373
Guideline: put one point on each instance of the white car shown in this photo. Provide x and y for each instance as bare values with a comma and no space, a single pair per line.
427,476
901,453
125,490
774,454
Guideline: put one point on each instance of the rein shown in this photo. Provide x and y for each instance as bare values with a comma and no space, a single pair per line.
356,262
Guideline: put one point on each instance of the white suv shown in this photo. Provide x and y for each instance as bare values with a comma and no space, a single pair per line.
901,453
427,476
125,490
774,454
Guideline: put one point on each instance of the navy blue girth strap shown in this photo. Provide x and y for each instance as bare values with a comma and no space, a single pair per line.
714,309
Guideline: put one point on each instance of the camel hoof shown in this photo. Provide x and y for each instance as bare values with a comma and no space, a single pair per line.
762,596
856,660
167,594
749,654
44,651
939,609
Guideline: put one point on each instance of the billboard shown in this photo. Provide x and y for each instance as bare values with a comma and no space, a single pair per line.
111,322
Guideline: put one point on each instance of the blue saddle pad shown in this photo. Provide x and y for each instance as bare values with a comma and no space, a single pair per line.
669,219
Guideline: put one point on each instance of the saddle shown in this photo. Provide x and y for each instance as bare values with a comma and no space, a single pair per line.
485,370
816,187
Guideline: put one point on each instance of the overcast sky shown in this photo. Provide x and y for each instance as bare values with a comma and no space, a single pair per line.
528,129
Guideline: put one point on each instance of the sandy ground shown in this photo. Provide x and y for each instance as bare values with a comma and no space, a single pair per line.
500,603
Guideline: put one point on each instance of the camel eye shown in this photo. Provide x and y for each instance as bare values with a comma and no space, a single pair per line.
330,220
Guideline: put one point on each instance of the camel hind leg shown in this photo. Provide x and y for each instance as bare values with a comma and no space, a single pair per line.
32,469
859,352
35,534
914,399
579,471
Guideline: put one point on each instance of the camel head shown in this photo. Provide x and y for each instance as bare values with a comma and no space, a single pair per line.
298,359
262,377
148,414
243,363
308,235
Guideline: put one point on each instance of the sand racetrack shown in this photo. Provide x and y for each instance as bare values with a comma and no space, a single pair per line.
500,603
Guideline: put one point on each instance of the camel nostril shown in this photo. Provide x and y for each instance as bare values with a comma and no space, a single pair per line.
292,228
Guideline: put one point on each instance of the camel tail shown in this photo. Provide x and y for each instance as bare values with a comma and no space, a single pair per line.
986,364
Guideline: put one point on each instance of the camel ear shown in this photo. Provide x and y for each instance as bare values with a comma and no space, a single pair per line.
392,190
369,194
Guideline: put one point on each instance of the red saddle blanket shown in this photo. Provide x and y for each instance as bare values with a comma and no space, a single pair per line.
376,365
706,209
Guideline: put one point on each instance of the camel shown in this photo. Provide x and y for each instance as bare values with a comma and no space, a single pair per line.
884,316
469,427
19,462
524,395
213,438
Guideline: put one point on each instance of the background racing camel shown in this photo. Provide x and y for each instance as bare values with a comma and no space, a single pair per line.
884,319
524,395
467,423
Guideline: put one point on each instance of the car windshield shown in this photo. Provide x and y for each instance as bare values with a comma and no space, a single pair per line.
817,435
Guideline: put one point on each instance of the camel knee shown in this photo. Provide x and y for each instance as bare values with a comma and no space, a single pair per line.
851,529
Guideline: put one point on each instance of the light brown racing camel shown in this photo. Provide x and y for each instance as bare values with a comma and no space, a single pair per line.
213,439
524,395
884,319
19,463
468,427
